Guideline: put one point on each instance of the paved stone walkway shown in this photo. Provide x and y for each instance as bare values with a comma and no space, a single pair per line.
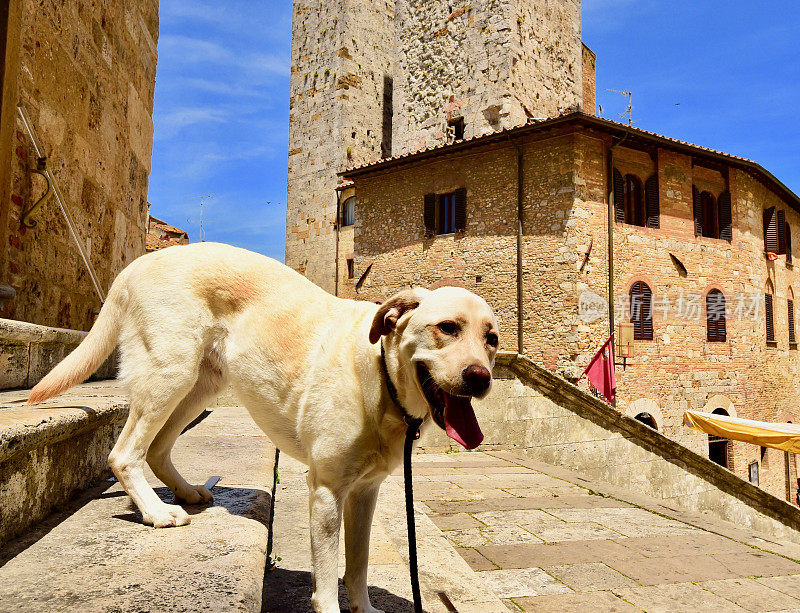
545,539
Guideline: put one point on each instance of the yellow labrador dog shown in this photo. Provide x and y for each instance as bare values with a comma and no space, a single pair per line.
317,373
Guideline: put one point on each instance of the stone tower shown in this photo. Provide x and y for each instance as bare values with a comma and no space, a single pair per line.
375,78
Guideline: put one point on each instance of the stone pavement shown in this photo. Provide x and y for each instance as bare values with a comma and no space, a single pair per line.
546,539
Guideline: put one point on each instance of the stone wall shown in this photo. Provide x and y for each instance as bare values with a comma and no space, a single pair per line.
530,408
341,52
389,232
495,63
589,81
86,75
565,255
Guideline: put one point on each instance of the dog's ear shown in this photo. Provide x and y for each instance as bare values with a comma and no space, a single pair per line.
390,311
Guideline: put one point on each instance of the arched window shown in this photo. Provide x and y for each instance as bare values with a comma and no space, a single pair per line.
710,215
769,320
634,201
715,317
349,211
718,446
642,311
647,420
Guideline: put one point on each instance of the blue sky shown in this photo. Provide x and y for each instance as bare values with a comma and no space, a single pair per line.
724,75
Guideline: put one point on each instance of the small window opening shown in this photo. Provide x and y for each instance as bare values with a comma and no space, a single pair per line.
350,268
710,215
718,446
456,127
647,420
388,113
446,217
348,211
634,201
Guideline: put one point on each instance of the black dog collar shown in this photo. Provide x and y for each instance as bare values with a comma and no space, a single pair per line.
411,421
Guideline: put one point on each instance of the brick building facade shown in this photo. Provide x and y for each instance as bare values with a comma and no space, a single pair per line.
663,243
85,73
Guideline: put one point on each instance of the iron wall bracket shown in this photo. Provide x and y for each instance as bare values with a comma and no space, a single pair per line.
41,169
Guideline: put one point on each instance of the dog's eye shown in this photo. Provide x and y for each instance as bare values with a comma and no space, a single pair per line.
448,327
492,340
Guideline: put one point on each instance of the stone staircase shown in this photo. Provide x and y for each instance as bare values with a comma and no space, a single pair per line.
90,551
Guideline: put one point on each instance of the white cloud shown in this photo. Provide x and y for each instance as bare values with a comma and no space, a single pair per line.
169,124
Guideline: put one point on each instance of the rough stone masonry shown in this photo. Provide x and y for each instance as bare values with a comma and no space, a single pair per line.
376,79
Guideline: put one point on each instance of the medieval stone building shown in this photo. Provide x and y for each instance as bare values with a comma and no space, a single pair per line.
84,72
703,266
371,80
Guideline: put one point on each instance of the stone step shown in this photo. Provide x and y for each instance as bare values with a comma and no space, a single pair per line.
29,351
51,451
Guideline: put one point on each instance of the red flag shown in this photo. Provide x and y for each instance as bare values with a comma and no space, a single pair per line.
600,370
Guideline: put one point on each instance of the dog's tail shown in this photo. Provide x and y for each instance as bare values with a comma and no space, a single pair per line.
91,353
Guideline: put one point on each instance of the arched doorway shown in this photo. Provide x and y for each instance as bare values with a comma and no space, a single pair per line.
718,447
647,420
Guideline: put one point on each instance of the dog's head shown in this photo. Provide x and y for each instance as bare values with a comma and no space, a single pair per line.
440,349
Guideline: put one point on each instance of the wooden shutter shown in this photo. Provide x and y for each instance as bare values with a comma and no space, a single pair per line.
781,232
711,322
461,209
619,196
652,202
642,311
430,215
715,316
788,244
792,338
647,313
768,316
770,230
725,216
698,211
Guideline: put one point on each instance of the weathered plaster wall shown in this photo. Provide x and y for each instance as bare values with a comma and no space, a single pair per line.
86,74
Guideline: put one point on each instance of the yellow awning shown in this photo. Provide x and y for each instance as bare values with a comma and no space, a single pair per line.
767,434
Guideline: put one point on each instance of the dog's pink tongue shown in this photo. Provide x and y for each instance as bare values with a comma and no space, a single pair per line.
460,422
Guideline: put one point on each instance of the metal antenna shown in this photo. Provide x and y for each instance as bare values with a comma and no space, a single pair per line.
200,221
629,111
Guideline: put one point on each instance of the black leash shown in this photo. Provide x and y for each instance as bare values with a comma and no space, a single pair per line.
412,433
270,562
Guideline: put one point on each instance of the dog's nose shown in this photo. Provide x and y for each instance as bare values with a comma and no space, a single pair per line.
477,378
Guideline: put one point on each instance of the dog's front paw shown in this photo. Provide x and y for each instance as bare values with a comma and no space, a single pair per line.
195,494
166,517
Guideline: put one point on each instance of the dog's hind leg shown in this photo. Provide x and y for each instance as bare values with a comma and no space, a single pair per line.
209,383
358,510
156,386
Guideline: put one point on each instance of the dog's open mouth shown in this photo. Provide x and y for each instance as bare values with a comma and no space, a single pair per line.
453,414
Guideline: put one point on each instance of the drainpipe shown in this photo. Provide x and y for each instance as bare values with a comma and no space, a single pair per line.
336,225
520,344
610,174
